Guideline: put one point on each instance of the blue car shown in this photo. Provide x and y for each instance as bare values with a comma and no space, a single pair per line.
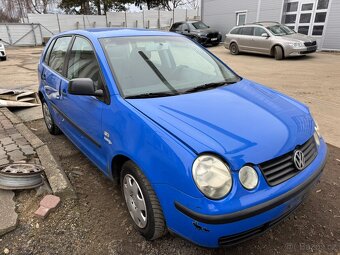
197,150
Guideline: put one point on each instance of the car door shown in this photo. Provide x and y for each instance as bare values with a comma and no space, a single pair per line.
52,72
245,38
261,44
83,114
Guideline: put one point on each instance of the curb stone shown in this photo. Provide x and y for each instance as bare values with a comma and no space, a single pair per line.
56,177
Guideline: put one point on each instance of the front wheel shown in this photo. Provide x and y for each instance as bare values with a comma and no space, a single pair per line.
278,53
141,202
4,58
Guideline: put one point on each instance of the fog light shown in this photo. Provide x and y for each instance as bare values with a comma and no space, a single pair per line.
248,177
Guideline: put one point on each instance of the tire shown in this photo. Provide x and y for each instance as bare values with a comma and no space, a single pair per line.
4,58
52,128
234,49
278,53
132,180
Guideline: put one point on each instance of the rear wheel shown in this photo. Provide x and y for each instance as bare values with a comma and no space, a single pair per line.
3,58
278,53
234,49
50,124
141,202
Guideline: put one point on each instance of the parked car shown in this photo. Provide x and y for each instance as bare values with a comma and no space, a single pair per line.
3,55
197,149
270,38
198,32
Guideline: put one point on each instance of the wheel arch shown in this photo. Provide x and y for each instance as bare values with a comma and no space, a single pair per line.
116,166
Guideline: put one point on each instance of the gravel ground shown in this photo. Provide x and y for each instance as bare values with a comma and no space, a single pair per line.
98,223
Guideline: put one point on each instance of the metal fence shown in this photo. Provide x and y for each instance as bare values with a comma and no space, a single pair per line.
37,28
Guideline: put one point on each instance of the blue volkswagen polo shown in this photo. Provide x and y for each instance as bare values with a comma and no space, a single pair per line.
197,150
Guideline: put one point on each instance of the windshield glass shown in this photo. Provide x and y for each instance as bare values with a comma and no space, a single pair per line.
281,30
162,64
199,25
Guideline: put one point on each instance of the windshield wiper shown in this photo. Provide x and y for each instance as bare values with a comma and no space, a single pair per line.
152,94
207,86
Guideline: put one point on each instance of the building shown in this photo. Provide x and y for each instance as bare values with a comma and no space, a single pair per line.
317,18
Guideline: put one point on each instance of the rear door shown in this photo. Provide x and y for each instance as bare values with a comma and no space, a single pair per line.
52,72
245,38
84,113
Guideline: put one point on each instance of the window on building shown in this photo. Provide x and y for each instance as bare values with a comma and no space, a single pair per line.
292,7
320,17
317,30
322,4
307,7
303,30
305,17
241,18
290,18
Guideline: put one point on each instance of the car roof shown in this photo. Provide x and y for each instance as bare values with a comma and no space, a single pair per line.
118,32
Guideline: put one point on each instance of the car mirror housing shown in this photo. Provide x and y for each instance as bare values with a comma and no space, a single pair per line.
265,35
83,87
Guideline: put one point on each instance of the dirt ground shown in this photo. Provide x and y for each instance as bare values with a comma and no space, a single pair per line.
98,223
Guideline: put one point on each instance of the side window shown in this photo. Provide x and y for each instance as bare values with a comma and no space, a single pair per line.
247,31
176,26
83,63
58,54
185,27
48,52
235,31
258,31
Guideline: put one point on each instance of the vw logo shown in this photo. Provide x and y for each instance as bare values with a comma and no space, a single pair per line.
299,160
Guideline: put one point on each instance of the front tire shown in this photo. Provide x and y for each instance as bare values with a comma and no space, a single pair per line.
52,128
278,53
141,202
234,49
4,58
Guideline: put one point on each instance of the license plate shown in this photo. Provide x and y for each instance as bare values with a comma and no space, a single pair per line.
214,39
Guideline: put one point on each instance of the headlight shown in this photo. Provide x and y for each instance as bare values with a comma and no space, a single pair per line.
212,176
296,45
248,177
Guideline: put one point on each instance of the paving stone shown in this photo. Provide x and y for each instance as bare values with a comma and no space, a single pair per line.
21,141
16,136
6,141
16,155
8,216
11,147
27,150
48,203
2,156
11,131
4,161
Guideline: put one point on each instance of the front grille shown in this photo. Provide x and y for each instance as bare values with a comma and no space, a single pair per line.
283,168
307,44
212,35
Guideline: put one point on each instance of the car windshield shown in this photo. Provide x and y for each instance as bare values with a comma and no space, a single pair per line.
199,25
280,30
163,66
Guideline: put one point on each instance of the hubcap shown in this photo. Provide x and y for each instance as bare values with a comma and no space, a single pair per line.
47,116
135,201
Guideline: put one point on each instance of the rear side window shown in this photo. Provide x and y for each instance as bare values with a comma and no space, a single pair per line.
235,31
83,62
247,31
58,54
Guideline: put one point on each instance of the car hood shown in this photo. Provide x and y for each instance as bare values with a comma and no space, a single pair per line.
298,37
243,122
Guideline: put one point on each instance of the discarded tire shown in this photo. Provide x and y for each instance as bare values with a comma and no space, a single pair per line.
21,176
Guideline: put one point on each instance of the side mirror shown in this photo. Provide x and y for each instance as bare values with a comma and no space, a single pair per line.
265,35
186,30
83,87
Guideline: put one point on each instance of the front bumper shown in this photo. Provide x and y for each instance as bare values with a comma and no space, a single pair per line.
210,41
207,225
300,51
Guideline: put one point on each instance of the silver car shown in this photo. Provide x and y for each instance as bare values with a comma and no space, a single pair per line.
270,38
